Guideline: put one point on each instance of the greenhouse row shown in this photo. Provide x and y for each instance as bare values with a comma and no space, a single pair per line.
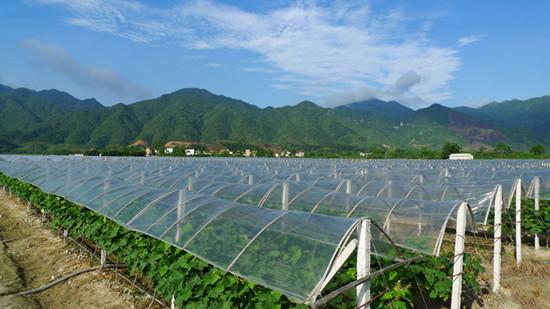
283,223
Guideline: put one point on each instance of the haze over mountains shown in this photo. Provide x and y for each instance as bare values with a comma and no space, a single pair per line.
52,117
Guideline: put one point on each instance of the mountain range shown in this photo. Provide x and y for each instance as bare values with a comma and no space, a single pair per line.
31,119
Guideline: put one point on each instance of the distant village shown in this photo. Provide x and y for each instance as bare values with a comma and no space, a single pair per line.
192,148
237,149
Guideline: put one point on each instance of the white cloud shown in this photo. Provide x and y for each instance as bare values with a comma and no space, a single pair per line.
323,51
281,86
467,40
56,59
259,70
214,65
405,82
194,57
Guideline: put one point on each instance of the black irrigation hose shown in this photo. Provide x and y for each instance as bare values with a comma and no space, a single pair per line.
63,279
93,254
140,287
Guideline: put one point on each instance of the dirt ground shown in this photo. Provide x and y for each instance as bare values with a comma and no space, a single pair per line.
525,286
31,255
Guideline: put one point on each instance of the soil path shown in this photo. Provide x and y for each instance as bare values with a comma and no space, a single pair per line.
526,286
33,256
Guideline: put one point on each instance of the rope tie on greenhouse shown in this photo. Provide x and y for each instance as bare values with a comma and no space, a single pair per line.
457,275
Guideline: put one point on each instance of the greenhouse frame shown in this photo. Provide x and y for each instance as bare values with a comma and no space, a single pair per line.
290,224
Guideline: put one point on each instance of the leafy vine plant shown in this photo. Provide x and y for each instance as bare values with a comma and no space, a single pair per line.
196,284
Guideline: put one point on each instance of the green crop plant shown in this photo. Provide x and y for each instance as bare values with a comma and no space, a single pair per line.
532,221
196,284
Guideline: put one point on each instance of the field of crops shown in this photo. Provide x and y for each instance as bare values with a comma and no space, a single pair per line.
275,232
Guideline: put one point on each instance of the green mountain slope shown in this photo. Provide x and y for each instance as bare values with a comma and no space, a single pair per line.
468,127
22,108
525,122
35,119
119,127
179,115
4,89
389,109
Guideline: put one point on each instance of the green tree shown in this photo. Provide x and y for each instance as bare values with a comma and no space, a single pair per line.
449,148
502,148
537,150
428,153
377,153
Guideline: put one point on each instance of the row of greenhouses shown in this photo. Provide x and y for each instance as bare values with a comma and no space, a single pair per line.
234,213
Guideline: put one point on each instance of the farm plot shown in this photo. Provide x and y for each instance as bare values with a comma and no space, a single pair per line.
294,226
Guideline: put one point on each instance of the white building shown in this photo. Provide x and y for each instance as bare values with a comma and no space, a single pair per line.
169,150
190,152
461,156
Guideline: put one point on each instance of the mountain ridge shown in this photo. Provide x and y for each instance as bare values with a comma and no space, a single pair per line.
391,109
54,117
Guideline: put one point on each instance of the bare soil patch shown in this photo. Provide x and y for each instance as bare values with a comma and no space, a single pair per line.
32,256
525,286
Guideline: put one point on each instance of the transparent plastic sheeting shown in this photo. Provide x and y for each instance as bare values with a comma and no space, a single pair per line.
286,251
276,222
386,203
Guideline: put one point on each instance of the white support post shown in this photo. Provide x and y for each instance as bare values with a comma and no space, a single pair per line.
348,186
459,256
250,180
339,262
497,245
298,178
103,257
180,211
142,179
284,200
363,264
190,184
537,207
518,221
173,302
419,230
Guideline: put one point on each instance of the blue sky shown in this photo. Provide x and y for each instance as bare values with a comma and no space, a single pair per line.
280,52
